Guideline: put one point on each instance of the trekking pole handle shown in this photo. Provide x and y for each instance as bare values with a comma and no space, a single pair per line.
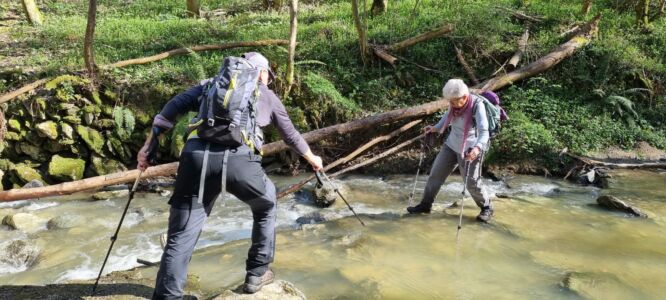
153,145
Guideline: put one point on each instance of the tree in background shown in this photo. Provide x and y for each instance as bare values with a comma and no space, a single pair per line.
32,12
586,6
88,55
193,8
274,4
362,34
379,7
293,12
642,12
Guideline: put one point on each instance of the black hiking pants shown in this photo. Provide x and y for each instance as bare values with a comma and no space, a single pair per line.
246,180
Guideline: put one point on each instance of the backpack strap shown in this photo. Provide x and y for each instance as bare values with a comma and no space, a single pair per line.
223,190
202,178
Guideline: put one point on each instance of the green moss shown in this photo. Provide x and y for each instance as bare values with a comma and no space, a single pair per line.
92,109
14,125
107,111
143,118
105,124
65,79
103,166
74,120
25,173
67,131
6,164
96,98
12,136
49,129
66,169
92,138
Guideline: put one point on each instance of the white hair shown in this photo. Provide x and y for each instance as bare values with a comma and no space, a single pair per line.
455,88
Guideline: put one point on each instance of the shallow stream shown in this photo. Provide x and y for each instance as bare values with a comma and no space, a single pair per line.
546,232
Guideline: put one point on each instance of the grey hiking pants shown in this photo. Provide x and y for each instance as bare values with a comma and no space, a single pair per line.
246,180
445,162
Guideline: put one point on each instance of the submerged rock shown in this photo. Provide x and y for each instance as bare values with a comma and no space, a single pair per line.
20,254
278,290
24,222
614,203
599,286
64,222
66,169
325,194
110,194
318,217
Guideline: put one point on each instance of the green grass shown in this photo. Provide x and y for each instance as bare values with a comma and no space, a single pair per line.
565,101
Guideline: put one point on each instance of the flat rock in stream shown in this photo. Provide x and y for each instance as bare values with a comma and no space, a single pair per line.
24,222
614,203
278,290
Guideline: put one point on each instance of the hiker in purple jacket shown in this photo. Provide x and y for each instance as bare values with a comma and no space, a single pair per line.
464,147
245,179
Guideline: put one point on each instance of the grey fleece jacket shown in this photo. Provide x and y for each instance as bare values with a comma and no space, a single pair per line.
478,134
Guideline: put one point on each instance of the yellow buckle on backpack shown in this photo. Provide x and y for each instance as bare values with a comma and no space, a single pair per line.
232,86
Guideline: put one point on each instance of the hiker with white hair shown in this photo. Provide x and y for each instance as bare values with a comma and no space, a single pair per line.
465,145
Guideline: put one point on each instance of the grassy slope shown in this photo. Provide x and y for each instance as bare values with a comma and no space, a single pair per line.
565,107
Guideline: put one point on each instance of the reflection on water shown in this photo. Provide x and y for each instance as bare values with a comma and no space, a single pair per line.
548,230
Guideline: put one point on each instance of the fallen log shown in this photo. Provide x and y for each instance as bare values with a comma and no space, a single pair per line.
144,60
380,51
597,163
364,123
71,187
521,15
465,65
351,156
380,156
551,59
421,38
522,47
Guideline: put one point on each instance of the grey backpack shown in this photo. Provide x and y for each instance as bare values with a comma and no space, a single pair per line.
227,114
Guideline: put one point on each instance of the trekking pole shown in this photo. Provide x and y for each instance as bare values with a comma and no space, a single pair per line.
340,194
152,147
418,170
462,200
115,235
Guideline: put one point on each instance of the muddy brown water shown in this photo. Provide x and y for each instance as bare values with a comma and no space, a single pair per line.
545,231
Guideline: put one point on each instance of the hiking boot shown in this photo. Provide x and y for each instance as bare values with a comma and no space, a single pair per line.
420,208
254,283
485,215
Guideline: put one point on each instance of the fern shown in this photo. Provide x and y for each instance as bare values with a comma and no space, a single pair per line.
124,120
623,106
129,120
118,116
